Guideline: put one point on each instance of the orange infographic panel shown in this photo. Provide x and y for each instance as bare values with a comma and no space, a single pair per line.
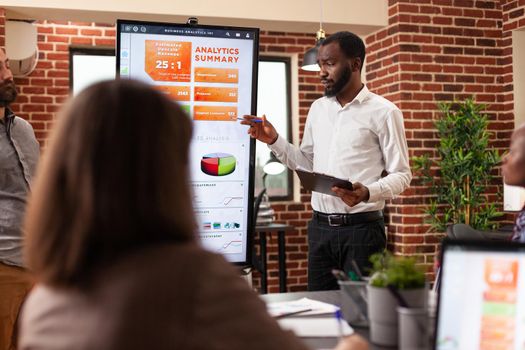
217,113
501,273
499,305
215,94
178,93
216,75
168,60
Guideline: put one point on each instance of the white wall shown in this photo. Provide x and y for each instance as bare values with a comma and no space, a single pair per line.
361,17
518,66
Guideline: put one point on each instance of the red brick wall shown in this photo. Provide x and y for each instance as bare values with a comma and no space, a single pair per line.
295,214
2,28
47,87
432,50
44,91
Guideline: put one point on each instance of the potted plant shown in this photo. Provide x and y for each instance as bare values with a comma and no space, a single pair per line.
460,174
393,278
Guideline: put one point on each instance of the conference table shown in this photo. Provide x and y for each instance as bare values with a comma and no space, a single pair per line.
331,297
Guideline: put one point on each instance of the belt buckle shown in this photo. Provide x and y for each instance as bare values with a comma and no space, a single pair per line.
336,218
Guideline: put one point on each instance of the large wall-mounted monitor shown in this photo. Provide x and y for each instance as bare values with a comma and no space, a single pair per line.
211,71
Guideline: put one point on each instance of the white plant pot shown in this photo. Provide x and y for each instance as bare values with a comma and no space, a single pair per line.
382,312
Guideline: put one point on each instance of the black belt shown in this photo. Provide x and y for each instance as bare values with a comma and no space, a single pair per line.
348,219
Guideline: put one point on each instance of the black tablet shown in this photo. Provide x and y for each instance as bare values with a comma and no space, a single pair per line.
322,183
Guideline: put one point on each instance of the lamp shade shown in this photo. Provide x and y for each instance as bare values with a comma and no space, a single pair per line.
310,56
21,47
310,59
273,166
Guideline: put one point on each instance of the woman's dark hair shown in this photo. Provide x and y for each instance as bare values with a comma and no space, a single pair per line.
351,45
114,178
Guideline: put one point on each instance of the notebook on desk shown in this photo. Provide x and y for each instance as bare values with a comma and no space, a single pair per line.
481,296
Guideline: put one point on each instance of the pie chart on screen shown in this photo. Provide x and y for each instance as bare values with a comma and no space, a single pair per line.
218,164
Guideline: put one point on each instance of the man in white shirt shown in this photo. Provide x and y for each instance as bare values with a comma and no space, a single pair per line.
354,134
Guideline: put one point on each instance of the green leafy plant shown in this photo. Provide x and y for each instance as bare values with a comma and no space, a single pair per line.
458,178
397,271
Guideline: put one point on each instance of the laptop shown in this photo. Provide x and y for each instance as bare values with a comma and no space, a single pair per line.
481,301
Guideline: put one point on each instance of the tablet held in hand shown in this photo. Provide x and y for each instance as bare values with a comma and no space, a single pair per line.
322,183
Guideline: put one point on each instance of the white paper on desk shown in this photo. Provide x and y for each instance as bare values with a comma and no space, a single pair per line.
316,307
315,327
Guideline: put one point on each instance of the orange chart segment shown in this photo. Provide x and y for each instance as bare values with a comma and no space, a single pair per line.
216,75
215,94
216,113
168,60
177,93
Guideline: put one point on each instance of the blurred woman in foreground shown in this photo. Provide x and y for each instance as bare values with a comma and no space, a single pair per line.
111,239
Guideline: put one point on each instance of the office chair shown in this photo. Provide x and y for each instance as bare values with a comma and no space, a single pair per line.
463,231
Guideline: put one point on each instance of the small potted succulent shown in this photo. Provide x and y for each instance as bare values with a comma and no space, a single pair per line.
394,281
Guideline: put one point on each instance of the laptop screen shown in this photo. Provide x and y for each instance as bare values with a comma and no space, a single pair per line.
481,296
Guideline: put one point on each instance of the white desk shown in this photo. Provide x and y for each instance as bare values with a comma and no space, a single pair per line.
331,297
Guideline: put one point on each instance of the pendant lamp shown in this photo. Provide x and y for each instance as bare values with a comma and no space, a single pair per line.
310,56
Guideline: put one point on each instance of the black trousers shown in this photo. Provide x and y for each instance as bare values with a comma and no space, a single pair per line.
332,247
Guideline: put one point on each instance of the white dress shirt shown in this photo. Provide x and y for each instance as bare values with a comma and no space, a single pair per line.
355,142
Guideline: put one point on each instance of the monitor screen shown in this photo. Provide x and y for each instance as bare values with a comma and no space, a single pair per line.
482,297
211,72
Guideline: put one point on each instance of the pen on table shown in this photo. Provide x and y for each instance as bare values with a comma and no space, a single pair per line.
395,293
293,313
339,275
353,276
255,120
339,318
357,270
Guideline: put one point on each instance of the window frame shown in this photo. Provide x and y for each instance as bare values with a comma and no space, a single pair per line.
86,51
288,72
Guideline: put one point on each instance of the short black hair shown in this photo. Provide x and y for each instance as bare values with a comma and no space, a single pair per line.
351,45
